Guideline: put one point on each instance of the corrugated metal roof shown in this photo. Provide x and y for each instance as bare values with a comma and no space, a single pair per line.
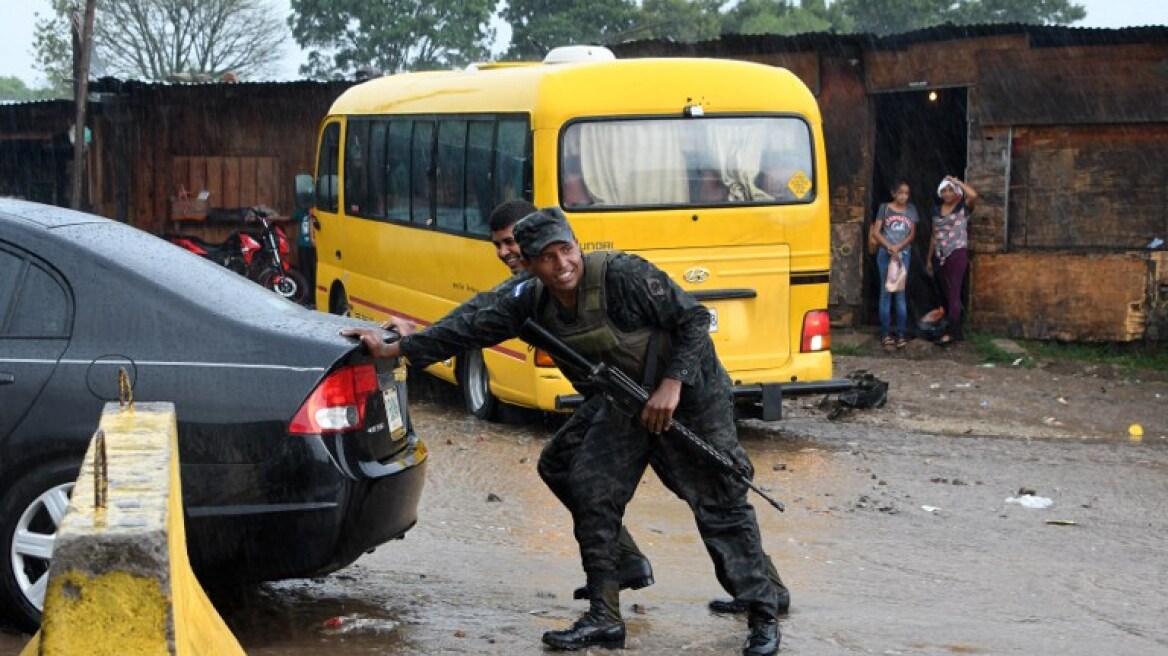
114,85
1041,36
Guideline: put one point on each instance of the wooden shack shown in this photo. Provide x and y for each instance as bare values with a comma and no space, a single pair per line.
1063,131
155,148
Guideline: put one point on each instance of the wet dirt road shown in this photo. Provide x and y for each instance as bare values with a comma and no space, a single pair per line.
893,542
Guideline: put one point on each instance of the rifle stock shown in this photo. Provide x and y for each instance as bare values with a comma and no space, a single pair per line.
624,391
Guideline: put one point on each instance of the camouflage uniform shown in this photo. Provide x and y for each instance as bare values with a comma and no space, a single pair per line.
556,457
602,474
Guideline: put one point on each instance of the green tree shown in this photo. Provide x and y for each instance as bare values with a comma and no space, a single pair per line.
159,39
776,17
537,26
894,16
686,21
344,36
52,48
1035,12
13,88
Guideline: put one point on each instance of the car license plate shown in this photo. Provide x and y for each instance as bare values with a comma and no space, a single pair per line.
713,320
393,414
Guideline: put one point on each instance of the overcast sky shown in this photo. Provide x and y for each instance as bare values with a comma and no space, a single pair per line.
18,16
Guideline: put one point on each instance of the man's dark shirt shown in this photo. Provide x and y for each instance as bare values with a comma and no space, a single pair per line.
484,299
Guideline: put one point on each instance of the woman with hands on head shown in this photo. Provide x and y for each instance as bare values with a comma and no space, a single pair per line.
949,248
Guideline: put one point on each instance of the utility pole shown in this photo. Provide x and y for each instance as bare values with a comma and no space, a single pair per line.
82,23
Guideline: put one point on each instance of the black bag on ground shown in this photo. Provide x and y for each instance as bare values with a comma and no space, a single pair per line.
868,391
932,331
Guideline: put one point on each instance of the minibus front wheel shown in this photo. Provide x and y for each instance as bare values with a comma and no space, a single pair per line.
475,383
338,301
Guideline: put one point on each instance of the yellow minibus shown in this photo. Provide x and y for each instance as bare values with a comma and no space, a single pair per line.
714,170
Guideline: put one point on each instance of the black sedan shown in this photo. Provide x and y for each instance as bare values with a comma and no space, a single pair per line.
296,448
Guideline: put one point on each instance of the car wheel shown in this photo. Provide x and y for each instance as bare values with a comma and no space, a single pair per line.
475,382
30,514
339,302
289,284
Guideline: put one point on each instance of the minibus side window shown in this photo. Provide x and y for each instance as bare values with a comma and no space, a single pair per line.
356,168
375,202
480,192
326,168
422,173
397,170
510,160
450,179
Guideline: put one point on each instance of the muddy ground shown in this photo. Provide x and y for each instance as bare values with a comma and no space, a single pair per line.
898,537
952,391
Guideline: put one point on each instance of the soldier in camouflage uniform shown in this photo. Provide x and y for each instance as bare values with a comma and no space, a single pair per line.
624,311
633,570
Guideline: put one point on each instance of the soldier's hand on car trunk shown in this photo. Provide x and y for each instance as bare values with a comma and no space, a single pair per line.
374,340
399,325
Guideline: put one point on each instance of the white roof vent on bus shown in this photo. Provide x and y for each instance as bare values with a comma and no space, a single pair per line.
569,54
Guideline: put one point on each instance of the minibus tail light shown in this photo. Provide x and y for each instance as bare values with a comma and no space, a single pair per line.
542,359
816,332
337,405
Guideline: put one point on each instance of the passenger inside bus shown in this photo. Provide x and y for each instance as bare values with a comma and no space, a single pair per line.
574,193
708,187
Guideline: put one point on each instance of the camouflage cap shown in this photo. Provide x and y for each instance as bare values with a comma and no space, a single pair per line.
538,230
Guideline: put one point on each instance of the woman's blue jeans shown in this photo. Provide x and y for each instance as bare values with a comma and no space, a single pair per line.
883,257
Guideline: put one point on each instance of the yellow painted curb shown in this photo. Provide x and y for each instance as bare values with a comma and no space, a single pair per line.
120,582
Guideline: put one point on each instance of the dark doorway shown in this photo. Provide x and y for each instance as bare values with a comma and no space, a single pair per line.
921,136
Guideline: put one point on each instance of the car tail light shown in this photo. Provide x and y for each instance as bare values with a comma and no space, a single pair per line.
338,403
542,359
816,332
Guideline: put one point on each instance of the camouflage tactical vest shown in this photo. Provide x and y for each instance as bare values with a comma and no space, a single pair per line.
592,333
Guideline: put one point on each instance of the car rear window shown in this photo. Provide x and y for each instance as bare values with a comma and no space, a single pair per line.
42,308
10,267
32,302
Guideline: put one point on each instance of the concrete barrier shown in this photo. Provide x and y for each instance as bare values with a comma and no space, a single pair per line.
120,582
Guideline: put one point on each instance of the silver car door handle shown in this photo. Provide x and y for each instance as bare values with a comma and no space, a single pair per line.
7,379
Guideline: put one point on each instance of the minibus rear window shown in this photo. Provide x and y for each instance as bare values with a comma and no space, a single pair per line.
684,162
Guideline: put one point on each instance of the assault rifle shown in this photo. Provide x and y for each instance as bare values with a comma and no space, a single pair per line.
623,391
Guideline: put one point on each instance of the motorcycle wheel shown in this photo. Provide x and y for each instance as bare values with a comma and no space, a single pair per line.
289,284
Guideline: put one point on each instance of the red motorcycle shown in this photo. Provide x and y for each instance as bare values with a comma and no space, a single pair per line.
261,257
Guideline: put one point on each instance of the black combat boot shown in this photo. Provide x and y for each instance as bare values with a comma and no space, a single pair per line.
633,570
764,636
782,598
601,626
783,604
